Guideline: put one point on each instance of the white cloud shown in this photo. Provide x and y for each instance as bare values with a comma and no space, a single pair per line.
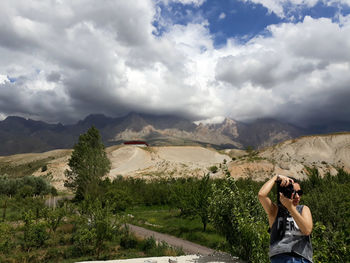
281,7
213,120
3,79
288,71
187,2
87,58
222,16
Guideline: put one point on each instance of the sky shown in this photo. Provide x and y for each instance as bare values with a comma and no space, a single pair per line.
61,60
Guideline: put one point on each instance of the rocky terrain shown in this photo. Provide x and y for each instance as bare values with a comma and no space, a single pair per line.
19,135
134,161
326,153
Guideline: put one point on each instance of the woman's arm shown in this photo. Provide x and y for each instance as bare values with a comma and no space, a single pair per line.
269,207
303,220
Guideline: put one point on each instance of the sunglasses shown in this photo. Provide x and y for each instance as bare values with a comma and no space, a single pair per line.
299,192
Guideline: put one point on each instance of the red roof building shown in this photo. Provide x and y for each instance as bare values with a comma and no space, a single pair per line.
136,143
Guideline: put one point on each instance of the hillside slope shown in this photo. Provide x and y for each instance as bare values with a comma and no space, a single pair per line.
137,162
327,153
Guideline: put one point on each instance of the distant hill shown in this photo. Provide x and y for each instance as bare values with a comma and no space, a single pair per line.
326,153
19,135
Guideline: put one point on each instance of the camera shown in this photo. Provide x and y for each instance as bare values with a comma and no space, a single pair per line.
287,191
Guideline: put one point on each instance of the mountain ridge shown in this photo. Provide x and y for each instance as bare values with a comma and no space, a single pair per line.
20,135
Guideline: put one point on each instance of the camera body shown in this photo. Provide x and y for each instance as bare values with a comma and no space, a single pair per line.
287,191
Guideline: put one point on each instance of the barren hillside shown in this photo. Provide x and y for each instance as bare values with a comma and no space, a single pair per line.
326,153
150,162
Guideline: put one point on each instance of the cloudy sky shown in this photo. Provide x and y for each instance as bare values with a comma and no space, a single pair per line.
61,60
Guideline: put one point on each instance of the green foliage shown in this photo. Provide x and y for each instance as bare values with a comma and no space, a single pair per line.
191,196
200,199
95,226
118,199
214,169
24,186
44,168
90,229
21,170
83,240
149,243
239,217
181,195
34,233
128,240
329,201
54,217
6,238
330,246
252,155
168,220
88,164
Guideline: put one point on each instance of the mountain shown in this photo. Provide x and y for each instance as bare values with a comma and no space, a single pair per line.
19,135
267,132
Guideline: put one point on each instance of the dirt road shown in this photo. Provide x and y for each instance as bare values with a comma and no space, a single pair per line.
187,246
206,254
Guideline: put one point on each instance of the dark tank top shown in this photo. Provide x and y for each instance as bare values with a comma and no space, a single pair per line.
286,237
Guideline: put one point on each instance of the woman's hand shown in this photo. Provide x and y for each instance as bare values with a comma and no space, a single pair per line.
285,181
286,202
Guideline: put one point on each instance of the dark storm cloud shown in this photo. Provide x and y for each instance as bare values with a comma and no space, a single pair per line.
89,57
53,77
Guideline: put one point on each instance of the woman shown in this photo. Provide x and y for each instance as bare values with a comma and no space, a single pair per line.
290,223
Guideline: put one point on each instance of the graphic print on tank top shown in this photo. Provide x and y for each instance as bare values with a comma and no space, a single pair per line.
292,228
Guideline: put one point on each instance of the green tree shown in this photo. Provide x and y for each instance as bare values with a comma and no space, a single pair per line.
192,198
95,226
88,164
34,233
239,217
202,193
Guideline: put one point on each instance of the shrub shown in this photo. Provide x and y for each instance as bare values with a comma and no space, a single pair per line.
239,217
83,240
149,243
214,169
44,168
128,241
34,234
6,242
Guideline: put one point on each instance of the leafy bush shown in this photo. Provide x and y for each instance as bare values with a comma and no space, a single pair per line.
34,233
214,169
6,242
128,242
24,186
94,227
149,243
329,201
119,200
44,168
330,246
239,217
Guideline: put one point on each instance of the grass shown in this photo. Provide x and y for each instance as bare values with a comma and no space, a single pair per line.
166,220
22,170
59,246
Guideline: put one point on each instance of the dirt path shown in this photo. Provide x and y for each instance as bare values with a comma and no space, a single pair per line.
187,246
53,200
